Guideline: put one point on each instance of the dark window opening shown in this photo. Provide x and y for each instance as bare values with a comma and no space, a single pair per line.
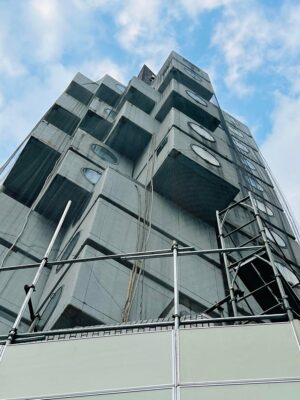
62,119
79,93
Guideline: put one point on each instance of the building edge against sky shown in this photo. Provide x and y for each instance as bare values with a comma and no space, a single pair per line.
145,165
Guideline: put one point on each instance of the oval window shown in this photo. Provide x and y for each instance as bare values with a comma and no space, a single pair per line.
196,97
253,182
91,175
262,207
120,88
50,307
205,155
68,250
104,154
288,275
201,131
241,146
248,164
275,238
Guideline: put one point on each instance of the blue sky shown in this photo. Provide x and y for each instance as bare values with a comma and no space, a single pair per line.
250,48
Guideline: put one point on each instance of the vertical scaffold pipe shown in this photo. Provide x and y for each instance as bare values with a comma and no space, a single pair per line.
176,393
14,329
262,230
175,283
226,264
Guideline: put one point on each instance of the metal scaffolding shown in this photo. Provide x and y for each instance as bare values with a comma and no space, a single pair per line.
235,258
263,253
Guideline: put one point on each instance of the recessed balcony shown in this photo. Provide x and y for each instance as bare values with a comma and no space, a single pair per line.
29,173
109,90
95,125
131,132
62,119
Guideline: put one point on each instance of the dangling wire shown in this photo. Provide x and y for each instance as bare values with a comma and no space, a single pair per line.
143,235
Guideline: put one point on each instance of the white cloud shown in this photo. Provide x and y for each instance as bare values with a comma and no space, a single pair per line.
242,36
87,5
252,38
145,30
281,148
95,69
195,7
47,23
19,115
32,51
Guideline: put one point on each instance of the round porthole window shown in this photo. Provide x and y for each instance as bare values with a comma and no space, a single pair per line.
288,275
275,238
198,99
262,207
91,175
120,88
205,155
50,307
241,146
193,74
253,182
248,164
104,154
68,249
201,131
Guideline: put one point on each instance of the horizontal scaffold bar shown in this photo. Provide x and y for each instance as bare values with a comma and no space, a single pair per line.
184,251
233,205
150,324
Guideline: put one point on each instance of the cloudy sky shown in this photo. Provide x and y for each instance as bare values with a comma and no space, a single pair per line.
250,48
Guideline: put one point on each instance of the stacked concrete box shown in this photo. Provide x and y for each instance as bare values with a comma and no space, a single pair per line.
112,225
189,102
174,69
132,131
143,164
109,90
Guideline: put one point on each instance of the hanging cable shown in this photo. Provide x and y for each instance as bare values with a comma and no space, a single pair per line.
143,234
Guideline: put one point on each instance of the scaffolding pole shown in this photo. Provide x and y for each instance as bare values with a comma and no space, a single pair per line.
174,253
176,316
184,251
31,288
226,264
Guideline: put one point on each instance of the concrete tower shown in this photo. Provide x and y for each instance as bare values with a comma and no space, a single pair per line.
145,165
